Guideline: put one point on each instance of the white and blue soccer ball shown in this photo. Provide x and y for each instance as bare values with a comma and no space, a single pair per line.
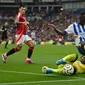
68,69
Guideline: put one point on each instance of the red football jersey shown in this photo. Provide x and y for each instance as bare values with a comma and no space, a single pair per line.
21,27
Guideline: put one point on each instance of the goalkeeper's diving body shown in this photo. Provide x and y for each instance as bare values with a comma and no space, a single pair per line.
79,65
77,29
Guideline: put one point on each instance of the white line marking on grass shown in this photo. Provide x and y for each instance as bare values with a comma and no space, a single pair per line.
30,73
32,82
39,82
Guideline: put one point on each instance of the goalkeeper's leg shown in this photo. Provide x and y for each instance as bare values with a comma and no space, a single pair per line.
67,59
58,71
48,70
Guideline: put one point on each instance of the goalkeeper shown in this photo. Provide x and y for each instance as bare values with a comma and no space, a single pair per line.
79,65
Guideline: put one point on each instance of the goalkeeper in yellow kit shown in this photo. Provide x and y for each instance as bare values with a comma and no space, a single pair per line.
79,65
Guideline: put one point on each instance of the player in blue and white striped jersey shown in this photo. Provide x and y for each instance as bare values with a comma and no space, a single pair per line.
77,29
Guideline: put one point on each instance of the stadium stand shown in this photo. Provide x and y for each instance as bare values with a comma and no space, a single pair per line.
39,16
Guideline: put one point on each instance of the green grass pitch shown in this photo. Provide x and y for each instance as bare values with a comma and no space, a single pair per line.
17,72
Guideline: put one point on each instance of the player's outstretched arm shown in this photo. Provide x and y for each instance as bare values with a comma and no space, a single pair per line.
57,30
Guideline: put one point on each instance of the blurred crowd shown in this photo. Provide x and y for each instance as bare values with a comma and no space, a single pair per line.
39,20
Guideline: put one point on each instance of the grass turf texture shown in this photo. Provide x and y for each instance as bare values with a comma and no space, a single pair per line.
17,72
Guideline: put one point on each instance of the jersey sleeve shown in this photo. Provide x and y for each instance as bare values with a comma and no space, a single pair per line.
18,17
70,30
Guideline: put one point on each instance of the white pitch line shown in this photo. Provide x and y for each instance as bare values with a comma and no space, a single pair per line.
30,73
40,82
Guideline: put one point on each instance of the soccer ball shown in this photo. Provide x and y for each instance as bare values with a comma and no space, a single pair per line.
68,69
44,68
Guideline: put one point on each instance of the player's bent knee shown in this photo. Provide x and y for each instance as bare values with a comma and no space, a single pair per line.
31,48
30,43
75,58
19,47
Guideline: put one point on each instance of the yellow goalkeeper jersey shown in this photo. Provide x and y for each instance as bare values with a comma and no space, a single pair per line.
79,66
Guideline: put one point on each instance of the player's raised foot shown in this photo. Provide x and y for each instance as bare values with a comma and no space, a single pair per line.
61,61
29,61
46,70
4,57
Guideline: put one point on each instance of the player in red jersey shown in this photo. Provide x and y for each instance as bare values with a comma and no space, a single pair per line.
21,37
